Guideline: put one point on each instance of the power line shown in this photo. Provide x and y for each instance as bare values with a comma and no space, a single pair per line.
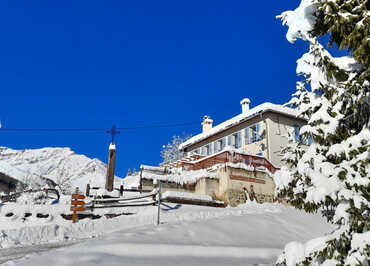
94,129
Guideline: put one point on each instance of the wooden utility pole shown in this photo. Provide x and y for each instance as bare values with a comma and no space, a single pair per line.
109,180
111,166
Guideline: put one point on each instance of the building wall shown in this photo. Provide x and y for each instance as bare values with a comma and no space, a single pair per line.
278,128
167,186
225,188
227,183
207,186
253,147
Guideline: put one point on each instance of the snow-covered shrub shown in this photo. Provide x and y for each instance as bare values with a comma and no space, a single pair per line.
333,172
39,197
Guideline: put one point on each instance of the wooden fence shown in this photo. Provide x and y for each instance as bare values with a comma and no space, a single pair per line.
148,199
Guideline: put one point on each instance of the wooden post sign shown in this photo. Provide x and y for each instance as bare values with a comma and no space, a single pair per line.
77,205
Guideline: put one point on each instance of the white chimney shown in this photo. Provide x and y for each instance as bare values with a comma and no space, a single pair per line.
207,123
245,105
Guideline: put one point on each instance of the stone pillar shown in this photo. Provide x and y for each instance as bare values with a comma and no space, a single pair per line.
110,169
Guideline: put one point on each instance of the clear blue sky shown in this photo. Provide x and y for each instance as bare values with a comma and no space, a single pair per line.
92,64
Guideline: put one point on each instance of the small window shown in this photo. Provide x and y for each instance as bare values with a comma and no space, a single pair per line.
215,148
223,143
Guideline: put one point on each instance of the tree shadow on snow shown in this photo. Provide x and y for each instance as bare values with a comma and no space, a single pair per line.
170,208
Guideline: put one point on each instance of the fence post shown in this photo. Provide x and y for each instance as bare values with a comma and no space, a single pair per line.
159,202
88,190
121,189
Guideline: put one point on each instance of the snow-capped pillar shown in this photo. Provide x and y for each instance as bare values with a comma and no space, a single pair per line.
207,123
245,105
111,166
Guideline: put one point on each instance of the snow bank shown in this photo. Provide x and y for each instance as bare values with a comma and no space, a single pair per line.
186,195
219,235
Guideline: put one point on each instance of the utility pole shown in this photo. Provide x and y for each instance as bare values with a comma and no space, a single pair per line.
111,161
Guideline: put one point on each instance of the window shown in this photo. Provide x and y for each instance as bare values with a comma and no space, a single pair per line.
208,149
215,148
246,136
202,152
235,140
223,143
297,137
255,132
238,139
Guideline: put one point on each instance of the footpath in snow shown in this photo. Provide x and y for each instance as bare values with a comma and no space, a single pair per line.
188,235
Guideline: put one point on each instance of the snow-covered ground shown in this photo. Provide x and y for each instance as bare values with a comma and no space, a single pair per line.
188,235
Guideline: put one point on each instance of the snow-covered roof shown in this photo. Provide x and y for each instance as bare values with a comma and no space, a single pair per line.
238,119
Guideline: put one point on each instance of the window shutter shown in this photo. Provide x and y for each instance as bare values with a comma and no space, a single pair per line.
246,137
258,137
239,139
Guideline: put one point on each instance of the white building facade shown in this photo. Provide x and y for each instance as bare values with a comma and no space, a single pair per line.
260,131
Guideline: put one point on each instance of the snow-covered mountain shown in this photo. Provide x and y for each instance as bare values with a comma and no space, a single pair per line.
56,164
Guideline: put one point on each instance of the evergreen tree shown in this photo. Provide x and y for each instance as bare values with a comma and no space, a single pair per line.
128,172
332,174
171,151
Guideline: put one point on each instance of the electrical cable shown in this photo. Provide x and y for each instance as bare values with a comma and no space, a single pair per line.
93,129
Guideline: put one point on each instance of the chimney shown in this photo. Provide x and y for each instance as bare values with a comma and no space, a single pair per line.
245,105
207,123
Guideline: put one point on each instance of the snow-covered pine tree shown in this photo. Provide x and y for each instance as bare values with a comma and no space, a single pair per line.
171,152
333,172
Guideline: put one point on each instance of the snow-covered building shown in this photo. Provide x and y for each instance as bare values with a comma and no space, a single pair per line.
261,131
223,176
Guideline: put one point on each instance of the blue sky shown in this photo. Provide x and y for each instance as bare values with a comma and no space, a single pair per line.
94,64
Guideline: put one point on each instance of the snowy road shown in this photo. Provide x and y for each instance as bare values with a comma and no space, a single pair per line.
253,235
